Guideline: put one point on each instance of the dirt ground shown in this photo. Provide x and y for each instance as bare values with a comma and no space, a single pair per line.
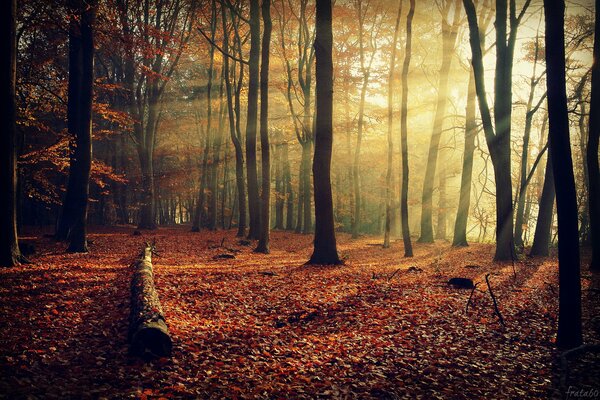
266,326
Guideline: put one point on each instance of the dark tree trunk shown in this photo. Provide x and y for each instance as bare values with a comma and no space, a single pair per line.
569,315
80,169
408,252
10,254
65,221
148,333
265,210
253,84
592,150
325,249
497,133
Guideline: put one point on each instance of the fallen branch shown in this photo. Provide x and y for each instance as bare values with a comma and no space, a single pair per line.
487,280
471,296
148,333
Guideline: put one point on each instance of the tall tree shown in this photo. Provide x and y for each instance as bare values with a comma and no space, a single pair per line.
79,172
72,224
531,109
299,90
569,315
234,127
365,69
497,133
541,237
449,35
251,121
325,249
10,254
155,35
462,215
390,137
592,149
197,222
265,211
408,252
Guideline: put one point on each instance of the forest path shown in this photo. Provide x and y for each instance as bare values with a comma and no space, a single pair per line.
267,326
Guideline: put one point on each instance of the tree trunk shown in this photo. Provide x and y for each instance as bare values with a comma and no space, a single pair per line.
462,215
148,333
265,223
10,255
497,134
408,252
233,129
541,238
287,176
80,169
307,208
592,150
65,221
325,249
390,138
449,34
569,314
251,119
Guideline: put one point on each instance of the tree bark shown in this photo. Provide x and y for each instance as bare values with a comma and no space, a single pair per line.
251,119
408,252
10,255
569,315
80,169
325,249
265,211
148,332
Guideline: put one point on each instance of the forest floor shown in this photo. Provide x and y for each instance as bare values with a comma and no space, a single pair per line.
266,326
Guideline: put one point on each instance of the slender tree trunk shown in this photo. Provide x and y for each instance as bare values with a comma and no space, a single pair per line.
10,255
265,223
325,249
390,138
449,34
441,217
239,154
287,176
80,170
216,161
592,150
299,213
541,238
462,215
279,187
569,315
65,221
307,208
252,112
408,252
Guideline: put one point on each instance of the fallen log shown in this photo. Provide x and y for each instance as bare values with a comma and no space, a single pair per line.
148,333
